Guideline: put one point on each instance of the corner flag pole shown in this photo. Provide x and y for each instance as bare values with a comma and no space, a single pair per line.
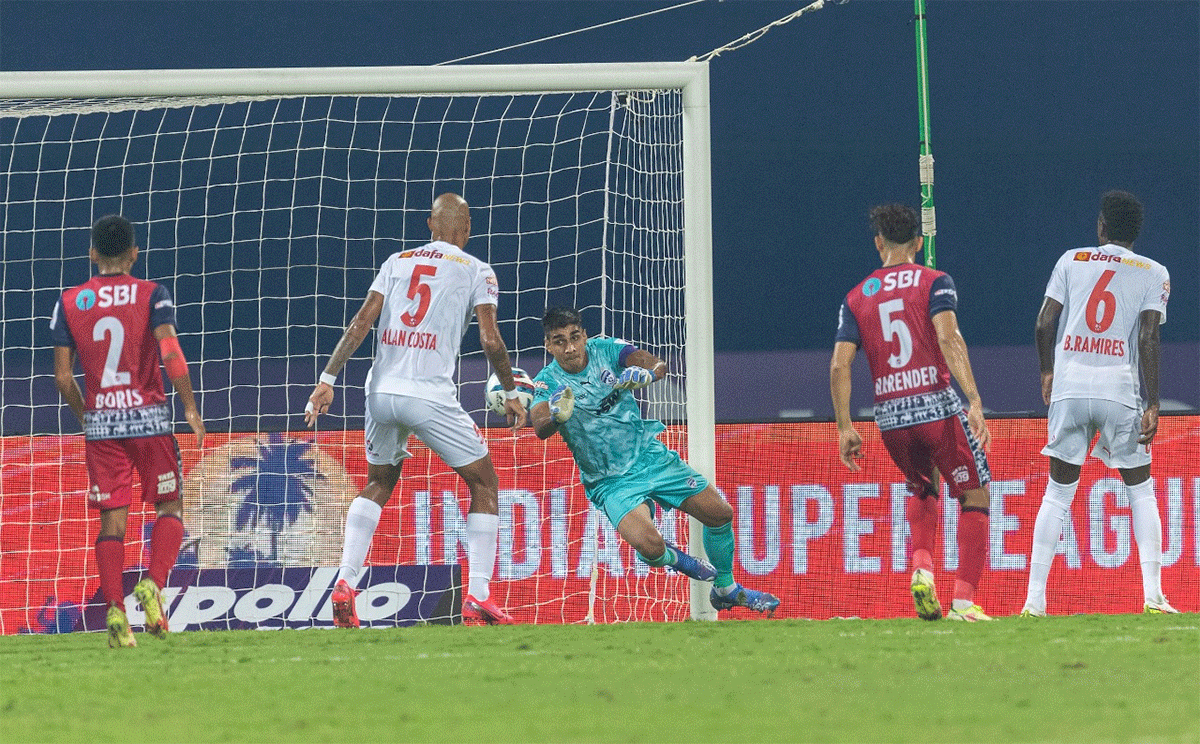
928,222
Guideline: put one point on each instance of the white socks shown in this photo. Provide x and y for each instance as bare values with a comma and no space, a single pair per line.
1147,532
361,521
1056,504
363,517
481,553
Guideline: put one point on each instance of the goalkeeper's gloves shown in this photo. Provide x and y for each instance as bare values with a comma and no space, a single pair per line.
562,404
633,378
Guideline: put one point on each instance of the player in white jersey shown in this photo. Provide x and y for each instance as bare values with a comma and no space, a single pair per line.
1097,328
424,300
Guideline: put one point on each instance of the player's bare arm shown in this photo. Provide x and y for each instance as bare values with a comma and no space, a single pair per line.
177,372
352,338
543,423
954,349
1148,359
497,353
647,361
849,441
641,369
64,379
1045,334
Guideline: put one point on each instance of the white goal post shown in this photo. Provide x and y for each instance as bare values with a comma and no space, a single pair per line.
51,94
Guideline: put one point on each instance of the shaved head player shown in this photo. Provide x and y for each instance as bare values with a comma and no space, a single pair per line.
423,300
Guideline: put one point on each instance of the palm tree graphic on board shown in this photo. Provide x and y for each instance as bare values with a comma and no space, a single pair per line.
274,494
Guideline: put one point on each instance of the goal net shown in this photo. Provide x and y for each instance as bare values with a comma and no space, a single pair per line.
265,201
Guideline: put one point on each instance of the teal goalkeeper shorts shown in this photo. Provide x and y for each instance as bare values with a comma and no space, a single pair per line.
659,475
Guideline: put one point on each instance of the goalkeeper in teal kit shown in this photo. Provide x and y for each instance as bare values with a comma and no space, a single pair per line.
584,395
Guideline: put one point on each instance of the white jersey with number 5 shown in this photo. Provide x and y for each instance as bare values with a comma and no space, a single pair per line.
429,297
1103,292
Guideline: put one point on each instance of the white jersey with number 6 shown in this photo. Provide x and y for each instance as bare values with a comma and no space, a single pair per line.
1103,292
429,297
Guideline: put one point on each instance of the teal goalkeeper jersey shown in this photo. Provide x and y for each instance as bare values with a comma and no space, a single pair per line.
606,433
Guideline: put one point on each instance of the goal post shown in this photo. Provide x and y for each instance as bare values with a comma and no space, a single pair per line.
296,174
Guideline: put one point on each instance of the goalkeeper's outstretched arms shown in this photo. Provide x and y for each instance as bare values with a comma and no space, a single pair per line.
356,332
547,415
641,369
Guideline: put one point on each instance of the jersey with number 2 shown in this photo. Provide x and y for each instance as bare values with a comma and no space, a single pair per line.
1103,292
110,322
429,296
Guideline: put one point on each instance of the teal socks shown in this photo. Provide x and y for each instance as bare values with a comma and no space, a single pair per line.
718,543
667,558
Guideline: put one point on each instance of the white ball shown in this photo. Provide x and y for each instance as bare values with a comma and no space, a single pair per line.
493,395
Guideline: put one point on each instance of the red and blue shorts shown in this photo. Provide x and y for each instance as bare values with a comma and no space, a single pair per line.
947,445
111,463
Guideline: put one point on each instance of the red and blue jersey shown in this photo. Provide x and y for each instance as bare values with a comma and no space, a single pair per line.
889,315
110,322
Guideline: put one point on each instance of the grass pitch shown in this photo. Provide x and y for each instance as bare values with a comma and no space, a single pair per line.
1119,678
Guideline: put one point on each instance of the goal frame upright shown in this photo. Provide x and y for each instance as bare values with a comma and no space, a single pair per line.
690,77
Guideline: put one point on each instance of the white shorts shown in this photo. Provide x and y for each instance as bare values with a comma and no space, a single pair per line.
1074,421
447,430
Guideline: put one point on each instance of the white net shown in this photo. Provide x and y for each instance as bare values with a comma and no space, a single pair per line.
267,219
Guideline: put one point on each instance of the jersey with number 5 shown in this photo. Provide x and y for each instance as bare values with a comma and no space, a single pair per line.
889,316
429,298
110,323
1103,292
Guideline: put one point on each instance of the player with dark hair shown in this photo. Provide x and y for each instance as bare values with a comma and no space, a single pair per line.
903,316
584,395
1097,327
120,327
424,299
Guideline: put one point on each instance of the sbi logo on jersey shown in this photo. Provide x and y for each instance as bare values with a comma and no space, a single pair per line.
870,286
85,299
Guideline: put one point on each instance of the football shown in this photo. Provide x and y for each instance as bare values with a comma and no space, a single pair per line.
493,395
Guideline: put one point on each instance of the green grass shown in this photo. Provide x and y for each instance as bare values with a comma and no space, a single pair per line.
1120,678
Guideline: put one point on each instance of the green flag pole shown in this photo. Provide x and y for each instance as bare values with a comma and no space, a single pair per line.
928,222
